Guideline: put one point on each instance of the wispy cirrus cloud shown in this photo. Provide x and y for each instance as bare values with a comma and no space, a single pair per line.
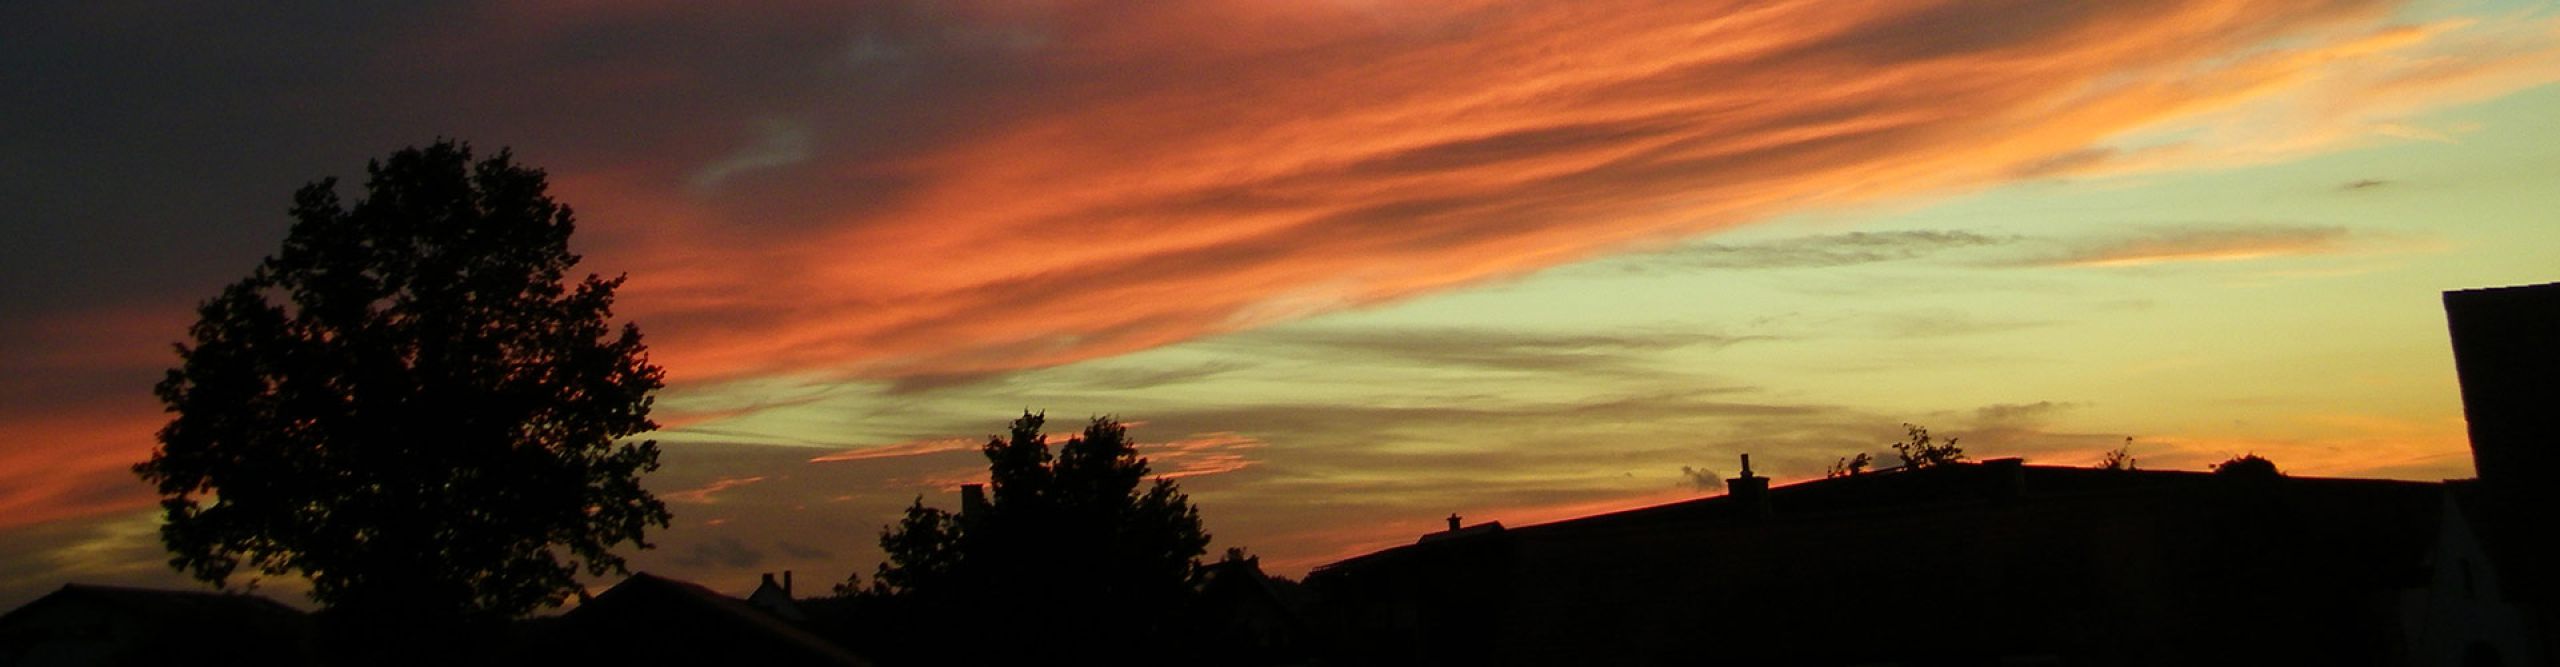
2144,245
1816,251
1460,347
73,463
703,495
909,448
963,190
1203,454
1421,170
2221,243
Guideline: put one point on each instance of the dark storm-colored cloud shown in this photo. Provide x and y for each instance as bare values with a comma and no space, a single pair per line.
218,113
802,551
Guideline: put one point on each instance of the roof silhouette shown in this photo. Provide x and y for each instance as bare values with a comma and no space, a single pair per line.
2056,561
89,624
653,620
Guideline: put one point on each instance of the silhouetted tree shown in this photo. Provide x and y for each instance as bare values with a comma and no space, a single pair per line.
411,405
922,551
1241,615
1918,450
1850,465
1078,541
2119,459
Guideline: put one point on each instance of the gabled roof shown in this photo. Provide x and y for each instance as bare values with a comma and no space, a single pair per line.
653,620
169,605
152,626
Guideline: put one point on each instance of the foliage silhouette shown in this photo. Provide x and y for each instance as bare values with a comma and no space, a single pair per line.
1849,466
2121,458
410,405
1918,450
2248,466
1075,540
921,551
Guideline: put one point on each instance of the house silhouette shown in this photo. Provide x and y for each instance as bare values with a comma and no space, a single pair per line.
2003,563
82,624
651,620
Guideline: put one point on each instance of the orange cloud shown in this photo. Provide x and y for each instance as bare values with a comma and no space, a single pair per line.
703,495
2334,445
1206,454
995,186
946,481
72,464
1197,181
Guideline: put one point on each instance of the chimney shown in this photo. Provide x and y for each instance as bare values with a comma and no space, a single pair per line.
786,583
1750,492
1453,522
2506,351
973,499
768,581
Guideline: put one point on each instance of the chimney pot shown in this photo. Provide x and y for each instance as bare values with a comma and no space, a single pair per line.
1453,521
786,583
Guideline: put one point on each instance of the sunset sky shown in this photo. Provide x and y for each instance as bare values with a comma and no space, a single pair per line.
1349,266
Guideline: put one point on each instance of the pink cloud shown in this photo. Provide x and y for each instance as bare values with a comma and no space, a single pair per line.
703,495
1204,454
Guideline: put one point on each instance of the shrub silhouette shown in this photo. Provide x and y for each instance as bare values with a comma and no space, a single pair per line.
1918,450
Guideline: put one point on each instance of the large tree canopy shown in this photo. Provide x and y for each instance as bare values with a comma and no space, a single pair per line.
411,404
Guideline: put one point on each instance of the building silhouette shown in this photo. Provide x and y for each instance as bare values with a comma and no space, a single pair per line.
2002,563
652,620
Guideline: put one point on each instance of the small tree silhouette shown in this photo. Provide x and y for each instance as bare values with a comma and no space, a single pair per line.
1079,541
1918,450
1849,466
2121,458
